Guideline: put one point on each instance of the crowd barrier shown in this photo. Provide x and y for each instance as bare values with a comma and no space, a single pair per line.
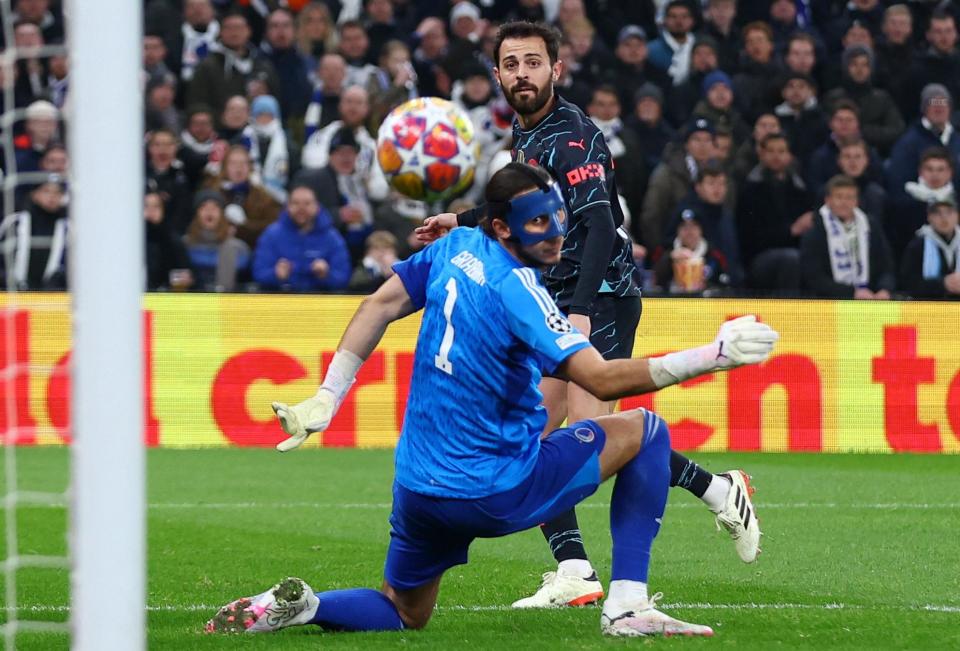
851,376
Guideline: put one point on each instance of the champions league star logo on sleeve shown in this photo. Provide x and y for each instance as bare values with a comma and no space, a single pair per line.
558,323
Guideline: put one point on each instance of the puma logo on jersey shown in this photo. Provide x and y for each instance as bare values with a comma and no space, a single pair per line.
575,143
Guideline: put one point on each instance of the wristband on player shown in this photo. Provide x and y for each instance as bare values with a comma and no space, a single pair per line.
341,374
674,368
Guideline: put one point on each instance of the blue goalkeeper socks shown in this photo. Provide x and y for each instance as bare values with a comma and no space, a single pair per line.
359,609
638,502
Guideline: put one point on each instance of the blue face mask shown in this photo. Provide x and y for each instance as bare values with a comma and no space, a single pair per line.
547,202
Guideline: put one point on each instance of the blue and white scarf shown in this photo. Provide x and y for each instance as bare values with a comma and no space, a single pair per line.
933,246
849,248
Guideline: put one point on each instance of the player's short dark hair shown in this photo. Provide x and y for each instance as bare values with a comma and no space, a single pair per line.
523,29
507,183
938,153
840,181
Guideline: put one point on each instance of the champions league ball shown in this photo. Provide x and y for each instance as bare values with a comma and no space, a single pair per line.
427,149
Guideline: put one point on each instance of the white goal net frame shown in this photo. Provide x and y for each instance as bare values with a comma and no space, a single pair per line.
106,498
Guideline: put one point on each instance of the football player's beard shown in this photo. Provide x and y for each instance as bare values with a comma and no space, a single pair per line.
524,106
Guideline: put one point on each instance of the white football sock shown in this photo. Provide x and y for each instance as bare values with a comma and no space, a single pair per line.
626,593
580,567
716,494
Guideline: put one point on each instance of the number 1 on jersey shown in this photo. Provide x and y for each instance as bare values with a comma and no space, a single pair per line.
442,358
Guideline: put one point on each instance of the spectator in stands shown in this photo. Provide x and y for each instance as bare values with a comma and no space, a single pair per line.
58,81
774,210
248,205
230,66
895,53
800,115
324,106
648,123
784,22
476,95
844,125
40,13
755,84
866,13
196,38
394,83
682,99
933,129
624,146
465,31
929,268
165,255
690,264
354,110
272,145
165,175
316,35
673,179
719,24
708,204
630,68
292,67
429,56
302,251
747,155
41,129
377,263
235,129
355,50
216,256
940,63
591,58
934,182
160,109
381,26
671,52
854,161
845,254
568,86
880,119
717,106
37,239
154,54
801,57
30,72
196,143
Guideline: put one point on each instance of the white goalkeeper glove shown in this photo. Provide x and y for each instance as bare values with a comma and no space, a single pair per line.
301,420
740,341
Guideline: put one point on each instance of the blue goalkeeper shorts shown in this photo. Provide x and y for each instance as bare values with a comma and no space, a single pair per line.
429,535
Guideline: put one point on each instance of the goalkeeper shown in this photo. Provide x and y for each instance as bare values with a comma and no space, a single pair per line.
470,462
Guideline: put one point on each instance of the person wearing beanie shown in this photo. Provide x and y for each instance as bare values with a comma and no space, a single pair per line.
880,120
631,67
648,123
939,63
718,106
930,264
933,129
274,158
800,115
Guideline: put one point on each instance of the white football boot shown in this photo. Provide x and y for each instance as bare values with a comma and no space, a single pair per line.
560,589
739,518
642,619
289,603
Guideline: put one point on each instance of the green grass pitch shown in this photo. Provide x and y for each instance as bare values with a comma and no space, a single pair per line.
859,552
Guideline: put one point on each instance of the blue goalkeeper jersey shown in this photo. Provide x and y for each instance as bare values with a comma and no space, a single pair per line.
489,331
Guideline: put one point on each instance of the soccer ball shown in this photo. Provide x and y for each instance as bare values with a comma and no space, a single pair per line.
427,149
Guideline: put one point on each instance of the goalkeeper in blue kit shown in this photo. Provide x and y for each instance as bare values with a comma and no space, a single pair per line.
596,285
471,462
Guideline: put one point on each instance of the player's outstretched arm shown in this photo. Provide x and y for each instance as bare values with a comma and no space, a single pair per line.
389,303
739,341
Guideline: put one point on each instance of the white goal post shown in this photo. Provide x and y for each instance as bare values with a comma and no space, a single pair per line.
107,514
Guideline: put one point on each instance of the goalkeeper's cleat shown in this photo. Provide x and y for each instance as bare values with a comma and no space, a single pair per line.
289,603
739,518
643,619
560,589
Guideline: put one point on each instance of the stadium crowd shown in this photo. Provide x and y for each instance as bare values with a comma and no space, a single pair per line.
771,147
